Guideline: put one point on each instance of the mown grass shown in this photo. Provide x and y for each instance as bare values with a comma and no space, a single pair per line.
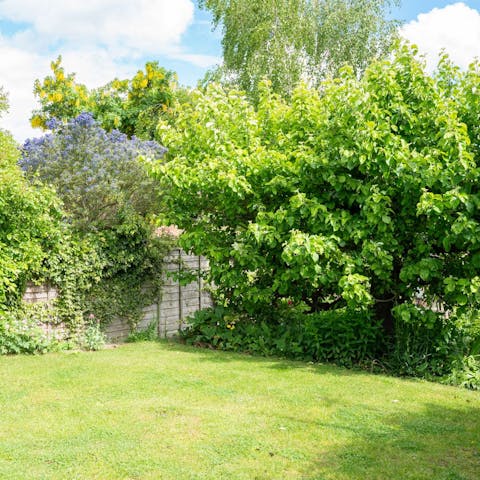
164,411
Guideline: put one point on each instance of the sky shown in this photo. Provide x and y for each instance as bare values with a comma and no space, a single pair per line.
101,40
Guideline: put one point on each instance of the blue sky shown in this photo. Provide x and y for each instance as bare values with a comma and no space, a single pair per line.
409,9
104,39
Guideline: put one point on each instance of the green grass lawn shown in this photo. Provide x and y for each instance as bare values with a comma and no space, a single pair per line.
164,411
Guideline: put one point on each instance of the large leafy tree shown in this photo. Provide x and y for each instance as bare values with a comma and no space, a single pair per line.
131,105
3,101
361,194
292,40
96,173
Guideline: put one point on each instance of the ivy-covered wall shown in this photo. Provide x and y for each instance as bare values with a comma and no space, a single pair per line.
175,302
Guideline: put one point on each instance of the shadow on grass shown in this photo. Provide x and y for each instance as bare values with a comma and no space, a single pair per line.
434,442
439,443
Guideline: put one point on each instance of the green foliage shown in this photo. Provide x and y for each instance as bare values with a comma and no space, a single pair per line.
131,106
39,328
30,219
426,344
360,195
91,337
74,267
340,336
3,101
131,278
292,40
108,262
149,334
465,372
465,368
356,195
21,331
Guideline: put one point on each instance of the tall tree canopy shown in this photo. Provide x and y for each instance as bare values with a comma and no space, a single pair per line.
292,40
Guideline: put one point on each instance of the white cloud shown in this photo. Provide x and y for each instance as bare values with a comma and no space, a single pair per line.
203,61
17,77
146,26
455,28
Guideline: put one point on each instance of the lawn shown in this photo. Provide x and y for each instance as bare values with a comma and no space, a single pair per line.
164,411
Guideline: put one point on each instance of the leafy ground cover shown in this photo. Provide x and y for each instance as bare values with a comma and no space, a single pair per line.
166,411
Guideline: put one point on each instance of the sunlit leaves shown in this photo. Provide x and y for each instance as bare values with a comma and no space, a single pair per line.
30,218
361,192
132,106
292,40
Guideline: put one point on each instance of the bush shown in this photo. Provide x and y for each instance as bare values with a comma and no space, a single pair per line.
149,334
436,345
465,372
109,261
36,328
340,336
90,337
351,198
30,225
426,346
22,331
96,174
357,195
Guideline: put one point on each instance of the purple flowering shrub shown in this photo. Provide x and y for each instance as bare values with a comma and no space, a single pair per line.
96,174
110,267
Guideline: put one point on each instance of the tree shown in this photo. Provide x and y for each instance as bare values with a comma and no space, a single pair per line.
292,40
361,194
131,106
3,101
30,222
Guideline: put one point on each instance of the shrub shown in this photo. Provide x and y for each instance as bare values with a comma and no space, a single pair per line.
426,345
36,328
97,174
356,195
339,336
149,334
465,372
90,337
30,225
109,262
22,331
353,197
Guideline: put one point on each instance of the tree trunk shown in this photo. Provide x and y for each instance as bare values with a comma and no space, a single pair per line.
383,312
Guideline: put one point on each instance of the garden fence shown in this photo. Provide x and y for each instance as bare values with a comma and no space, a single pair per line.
175,303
